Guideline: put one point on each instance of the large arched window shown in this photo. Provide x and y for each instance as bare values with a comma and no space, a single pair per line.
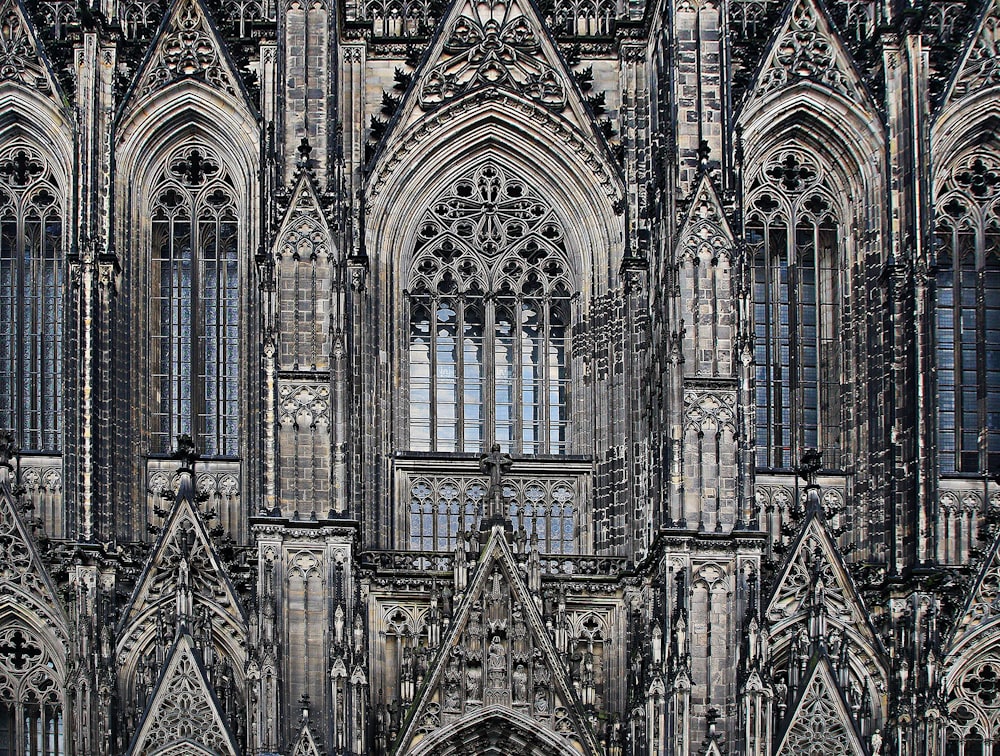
195,304
968,314
794,233
31,300
31,713
489,321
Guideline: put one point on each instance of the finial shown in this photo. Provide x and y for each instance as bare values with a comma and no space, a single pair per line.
186,452
8,449
809,466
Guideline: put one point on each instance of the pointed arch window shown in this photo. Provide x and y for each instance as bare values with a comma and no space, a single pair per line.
794,233
489,321
31,300
968,315
194,306
31,712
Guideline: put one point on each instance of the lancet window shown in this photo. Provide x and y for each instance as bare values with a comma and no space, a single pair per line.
968,314
794,231
489,302
194,305
31,713
31,299
974,711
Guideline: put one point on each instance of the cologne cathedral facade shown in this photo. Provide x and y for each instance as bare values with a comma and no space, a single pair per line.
459,377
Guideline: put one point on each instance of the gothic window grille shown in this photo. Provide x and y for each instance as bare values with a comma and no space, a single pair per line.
31,713
794,234
443,509
489,321
31,300
195,305
968,316
974,711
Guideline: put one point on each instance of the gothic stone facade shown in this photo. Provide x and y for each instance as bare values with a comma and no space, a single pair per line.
560,377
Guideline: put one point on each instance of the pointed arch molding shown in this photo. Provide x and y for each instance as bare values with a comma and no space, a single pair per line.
585,189
850,137
512,730
27,115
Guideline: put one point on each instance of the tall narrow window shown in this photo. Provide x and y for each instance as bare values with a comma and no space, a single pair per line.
793,232
195,305
968,315
31,300
489,316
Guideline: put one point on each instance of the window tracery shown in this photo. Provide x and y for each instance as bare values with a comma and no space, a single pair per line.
489,321
973,710
444,510
794,232
31,299
31,714
968,314
195,304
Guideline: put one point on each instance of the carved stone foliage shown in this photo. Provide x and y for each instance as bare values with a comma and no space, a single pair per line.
188,48
20,55
981,66
493,44
820,723
304,405
807,48
183,708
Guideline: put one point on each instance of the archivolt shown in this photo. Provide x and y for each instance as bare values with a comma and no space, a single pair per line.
572,174
494,732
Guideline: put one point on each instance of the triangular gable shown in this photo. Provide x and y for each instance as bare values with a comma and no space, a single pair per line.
183,708
821,722
24,60
305,743
705,223
713,748
982,607
980,66
183,552
497,657
815,555
188,46
304,217
24,581
502,44
808,48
